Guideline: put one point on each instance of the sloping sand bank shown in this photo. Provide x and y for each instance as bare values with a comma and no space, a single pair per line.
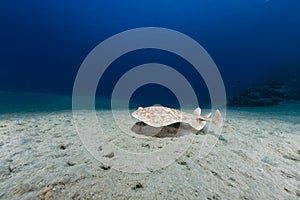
257,157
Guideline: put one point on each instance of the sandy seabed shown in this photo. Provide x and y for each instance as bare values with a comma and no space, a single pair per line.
257,157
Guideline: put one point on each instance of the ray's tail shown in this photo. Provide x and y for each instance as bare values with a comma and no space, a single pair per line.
199,123
217,119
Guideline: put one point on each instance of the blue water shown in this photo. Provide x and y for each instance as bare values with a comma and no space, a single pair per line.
43,43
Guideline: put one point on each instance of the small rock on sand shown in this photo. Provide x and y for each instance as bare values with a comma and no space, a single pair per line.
137,186
109,155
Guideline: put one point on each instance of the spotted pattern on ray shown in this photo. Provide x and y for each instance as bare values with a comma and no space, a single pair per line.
158,116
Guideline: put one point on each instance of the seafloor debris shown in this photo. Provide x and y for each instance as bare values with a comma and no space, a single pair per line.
104,166
109,155
100,148
69,163
137,186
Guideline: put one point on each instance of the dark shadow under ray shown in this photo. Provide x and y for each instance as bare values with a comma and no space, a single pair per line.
172,130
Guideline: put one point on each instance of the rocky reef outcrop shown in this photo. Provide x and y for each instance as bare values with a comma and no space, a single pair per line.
269,94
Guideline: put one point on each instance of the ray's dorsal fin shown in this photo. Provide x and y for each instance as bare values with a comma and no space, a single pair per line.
197,112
